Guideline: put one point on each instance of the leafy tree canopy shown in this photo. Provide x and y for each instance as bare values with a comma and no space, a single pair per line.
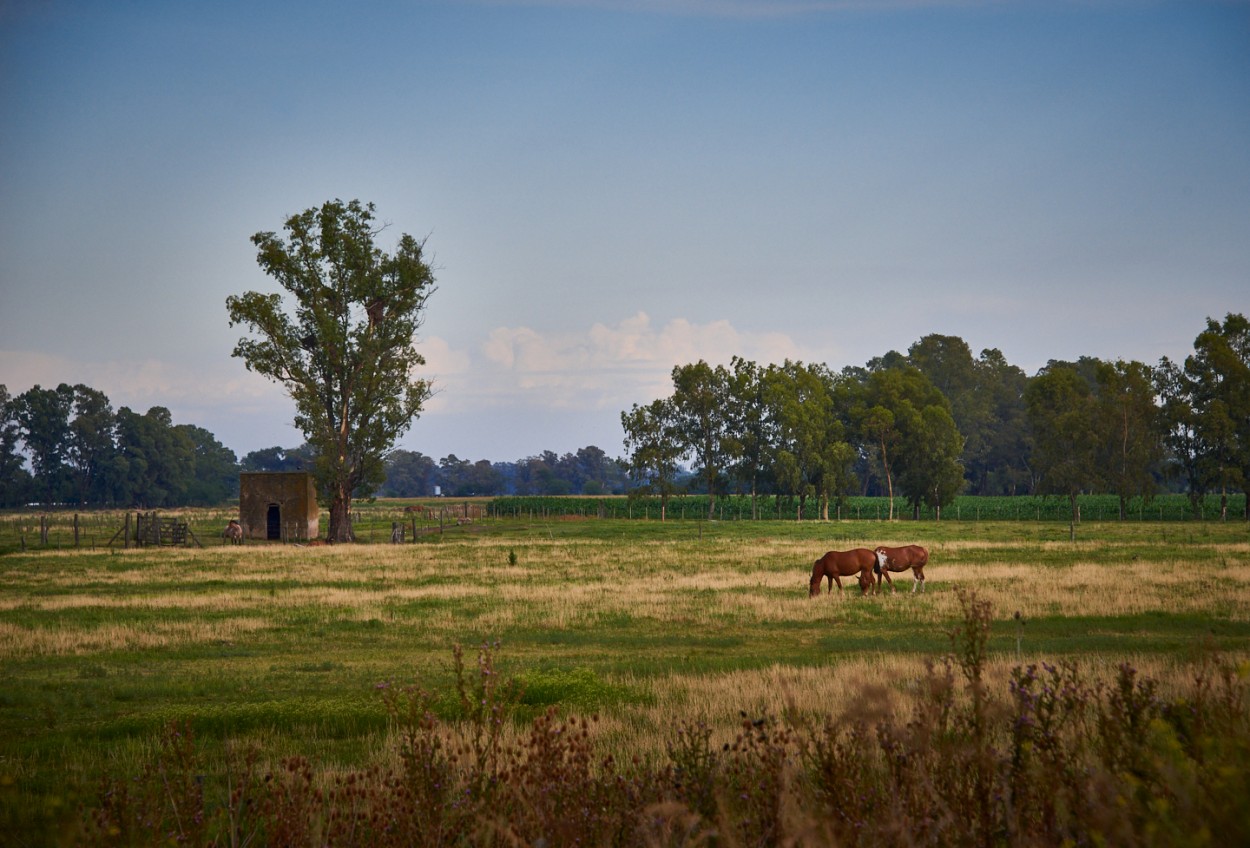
342,343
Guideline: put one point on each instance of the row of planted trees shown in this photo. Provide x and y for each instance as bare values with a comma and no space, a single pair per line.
935,423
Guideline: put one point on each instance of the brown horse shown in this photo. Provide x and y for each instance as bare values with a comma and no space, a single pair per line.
233,532
838,564
901,559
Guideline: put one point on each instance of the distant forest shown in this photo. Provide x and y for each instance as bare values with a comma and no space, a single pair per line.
924,426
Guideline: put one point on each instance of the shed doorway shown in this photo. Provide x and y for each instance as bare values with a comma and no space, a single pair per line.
273,523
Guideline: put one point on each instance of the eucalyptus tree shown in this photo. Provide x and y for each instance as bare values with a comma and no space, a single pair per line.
1183,442
931,473
15,480
43,422
91,448
156,459
810,455
1218,379
1062,412
215,474
998,458
1130,424
347,352
986,397
653,449
750,433
409,474
889,414
700,408
278,459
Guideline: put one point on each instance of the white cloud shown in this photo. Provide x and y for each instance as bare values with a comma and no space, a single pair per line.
606,367
515,377
135,383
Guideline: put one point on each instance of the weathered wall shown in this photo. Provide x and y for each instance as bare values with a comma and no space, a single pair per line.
295,497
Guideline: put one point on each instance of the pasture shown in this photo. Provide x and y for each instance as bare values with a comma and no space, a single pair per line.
653,628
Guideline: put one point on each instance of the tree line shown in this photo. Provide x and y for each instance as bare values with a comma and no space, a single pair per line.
922,427
929,425
412,474
80,451
68,446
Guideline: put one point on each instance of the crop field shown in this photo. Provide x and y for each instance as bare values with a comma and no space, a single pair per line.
664,640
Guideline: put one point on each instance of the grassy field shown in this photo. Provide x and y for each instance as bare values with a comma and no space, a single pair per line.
300,651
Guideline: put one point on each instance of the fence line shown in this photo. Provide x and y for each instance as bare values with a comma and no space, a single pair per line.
68,529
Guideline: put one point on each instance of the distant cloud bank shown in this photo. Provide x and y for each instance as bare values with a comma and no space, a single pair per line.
603,367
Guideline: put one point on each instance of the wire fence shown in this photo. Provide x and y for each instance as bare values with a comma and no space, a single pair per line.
397,522
966,508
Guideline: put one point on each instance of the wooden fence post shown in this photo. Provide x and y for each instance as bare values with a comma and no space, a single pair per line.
75,529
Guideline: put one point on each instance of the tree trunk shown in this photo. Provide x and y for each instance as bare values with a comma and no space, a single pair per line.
341,517
889,481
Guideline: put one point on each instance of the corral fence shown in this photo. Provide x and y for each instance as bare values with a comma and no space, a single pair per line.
104,529
63,528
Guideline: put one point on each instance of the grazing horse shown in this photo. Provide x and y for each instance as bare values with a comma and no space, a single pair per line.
233,532
838,564
901,559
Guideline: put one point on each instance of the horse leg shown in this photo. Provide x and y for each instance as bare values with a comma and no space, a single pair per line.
837,580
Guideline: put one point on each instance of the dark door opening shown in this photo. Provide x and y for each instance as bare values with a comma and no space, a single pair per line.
273,523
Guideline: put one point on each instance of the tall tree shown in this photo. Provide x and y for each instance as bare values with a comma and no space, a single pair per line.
15,480
599,473
653,449
158,459
90,445
1130,425
42,417
749,428
986,398
215,475
810,454
347,354
930,471
278,459
889,416
700,404
1182,443
409,474
998,456
1218,374
1063,415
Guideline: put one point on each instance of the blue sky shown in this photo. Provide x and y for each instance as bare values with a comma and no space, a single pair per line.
610,189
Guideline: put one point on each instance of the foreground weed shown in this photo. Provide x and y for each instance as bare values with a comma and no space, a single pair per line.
1058,760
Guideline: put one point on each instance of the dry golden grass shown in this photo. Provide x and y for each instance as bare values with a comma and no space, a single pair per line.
558,585
17,641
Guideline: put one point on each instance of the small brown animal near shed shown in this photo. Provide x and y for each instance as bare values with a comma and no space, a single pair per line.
278,505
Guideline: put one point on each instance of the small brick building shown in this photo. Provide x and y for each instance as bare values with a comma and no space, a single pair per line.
278,505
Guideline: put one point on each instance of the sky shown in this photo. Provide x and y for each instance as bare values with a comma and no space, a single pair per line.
611,188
